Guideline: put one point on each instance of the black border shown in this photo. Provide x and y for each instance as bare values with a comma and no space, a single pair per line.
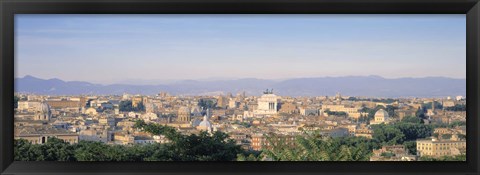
10,7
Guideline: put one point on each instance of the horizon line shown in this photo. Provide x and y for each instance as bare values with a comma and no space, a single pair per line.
228,79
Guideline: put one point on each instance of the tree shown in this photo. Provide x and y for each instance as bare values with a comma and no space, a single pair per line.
420,113
390,110
371,112
341,113
411,147
53,150
412,119
457,123
428,105
315,147
457,107
125,106
202,147
207,103
387,134
414,131
461,157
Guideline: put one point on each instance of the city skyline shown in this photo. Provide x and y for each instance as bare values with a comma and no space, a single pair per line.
179,47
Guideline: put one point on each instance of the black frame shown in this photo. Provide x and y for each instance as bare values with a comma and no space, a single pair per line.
10,7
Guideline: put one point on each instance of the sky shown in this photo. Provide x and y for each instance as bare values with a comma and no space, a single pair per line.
109,49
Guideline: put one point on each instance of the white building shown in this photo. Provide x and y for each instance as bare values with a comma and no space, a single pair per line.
267,104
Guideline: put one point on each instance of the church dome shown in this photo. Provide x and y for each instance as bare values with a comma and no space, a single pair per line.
44,108
381,114
205,123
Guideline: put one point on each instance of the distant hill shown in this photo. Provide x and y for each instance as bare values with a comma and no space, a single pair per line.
373,86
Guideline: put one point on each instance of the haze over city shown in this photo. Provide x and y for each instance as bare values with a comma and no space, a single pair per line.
153,49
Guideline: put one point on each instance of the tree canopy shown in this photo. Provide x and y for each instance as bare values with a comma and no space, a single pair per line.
201,147
315,147
126,106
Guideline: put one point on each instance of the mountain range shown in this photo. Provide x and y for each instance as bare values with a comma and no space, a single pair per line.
369,86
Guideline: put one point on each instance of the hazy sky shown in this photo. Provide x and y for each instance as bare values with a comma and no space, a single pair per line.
112,48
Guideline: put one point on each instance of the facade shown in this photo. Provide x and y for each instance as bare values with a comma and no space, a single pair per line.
261,141
63,103
353,112
222,102
267,104
184,115
29,105
42,138
106,121
91,111
136,101
232,103
288,108
438,148
309,111
95,135
392,153
40,134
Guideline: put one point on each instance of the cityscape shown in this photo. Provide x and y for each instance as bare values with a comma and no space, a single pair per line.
265,127
240,88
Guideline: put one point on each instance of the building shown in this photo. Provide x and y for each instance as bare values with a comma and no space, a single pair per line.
184,115
106,121
29,105
381,116
392,153
267,104
364,131
438,148
335,132
288,108
233,103
309,111
123,138
64,103
353,112
40,135
448,103
95,135
137,100
261,141
44,113
205,125
222,102
91,111
402,113
151,108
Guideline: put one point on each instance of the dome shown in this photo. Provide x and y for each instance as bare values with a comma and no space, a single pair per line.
44,108
205,123
381,114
